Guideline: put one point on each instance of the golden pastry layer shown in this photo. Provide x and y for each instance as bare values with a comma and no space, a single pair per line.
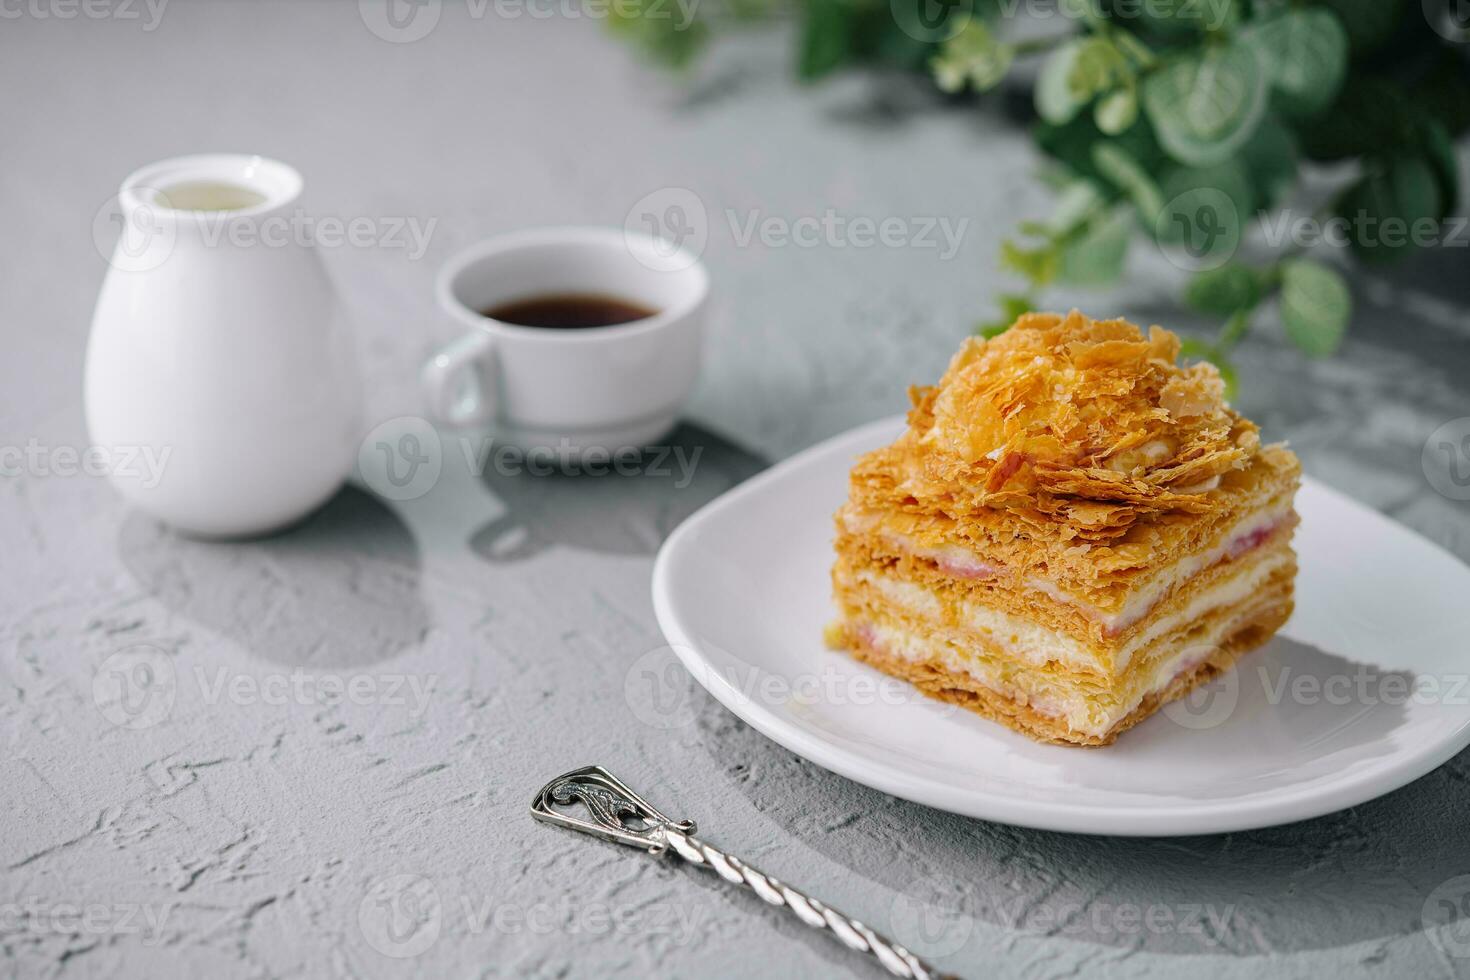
1070,524
936,679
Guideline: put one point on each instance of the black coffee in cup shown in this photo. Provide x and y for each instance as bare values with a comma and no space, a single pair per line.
569,311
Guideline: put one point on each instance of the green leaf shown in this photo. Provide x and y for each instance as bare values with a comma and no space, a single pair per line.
1074,204
1096,256
1304,53
975,57
663,40
1439,151
1315,306
1071,144
1443,92
1236,328
1099,66
1134,49
1038,265
1089,11
1270,159
1056,101
1206,104
1176,17
1390,209
1370,115
1076,73
1229,288
1369,23
1012,308
1117,111
825,38
1129,176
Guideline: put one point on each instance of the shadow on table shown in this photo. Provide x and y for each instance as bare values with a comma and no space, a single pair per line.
340,589
1361,874
609,512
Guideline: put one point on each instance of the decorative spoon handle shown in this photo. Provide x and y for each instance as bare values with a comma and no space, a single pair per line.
618,814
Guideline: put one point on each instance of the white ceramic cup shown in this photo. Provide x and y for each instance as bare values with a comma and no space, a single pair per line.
569,390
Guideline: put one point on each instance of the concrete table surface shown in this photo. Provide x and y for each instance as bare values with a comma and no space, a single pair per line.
243,820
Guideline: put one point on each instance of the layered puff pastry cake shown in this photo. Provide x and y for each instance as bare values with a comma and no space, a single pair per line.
1073,531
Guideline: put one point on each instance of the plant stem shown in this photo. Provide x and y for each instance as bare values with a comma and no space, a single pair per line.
1039,45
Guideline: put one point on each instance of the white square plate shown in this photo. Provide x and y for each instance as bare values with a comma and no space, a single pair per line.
1365,690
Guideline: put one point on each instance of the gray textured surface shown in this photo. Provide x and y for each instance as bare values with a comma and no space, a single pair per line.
253,834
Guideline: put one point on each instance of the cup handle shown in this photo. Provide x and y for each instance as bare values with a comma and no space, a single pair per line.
457,381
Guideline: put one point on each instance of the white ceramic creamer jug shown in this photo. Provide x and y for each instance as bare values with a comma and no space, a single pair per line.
219,347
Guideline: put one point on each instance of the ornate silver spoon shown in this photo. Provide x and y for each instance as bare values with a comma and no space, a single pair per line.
618,814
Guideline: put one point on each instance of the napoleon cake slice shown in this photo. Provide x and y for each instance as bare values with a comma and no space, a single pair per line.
1073,531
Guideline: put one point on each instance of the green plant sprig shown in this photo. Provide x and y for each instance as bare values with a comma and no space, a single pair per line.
1186,123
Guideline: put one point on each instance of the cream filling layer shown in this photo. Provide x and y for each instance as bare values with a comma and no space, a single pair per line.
1037,645
1092,714
966,563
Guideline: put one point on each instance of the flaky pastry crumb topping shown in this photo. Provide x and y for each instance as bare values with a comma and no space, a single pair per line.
1089,410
